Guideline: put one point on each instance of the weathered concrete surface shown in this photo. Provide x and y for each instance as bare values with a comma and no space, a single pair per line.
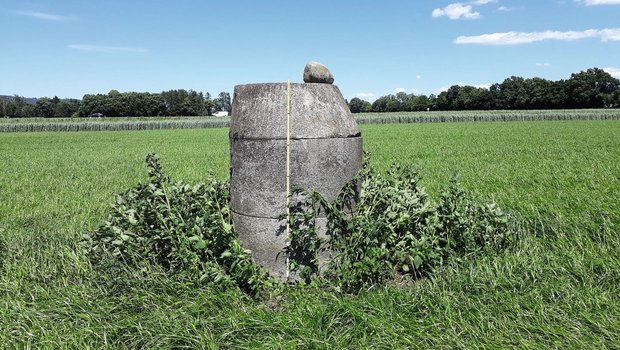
314,72
266,239
326,152
317,111
258,171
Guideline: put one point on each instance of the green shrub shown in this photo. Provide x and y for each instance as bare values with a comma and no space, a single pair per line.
396,230
381,227
184,230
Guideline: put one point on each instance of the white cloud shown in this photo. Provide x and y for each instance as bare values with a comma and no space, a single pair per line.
516,38
400,90
460,10
483,86
615,72
598,2
106,49
365,95
456,11
610,34
42,15
418,76
505,9
545,64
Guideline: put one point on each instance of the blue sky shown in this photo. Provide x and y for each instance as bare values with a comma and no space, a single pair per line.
70,48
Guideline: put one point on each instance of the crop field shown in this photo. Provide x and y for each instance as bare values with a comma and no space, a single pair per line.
487,116
157,123
557,287
110,124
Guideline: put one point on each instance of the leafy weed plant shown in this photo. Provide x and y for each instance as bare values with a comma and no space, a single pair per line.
379,228
184,230
395,230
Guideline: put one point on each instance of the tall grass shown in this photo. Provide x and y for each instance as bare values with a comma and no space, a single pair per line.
557,288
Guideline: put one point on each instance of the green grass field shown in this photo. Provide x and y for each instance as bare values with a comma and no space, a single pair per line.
557,288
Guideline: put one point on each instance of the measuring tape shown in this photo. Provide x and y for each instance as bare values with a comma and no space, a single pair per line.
288,171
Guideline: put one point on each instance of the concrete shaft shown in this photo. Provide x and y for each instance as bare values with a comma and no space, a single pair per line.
266,239
326,152
258,174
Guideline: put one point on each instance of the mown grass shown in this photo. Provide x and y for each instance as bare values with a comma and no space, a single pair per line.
557,288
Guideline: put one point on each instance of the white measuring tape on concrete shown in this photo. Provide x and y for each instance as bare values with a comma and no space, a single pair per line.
288,171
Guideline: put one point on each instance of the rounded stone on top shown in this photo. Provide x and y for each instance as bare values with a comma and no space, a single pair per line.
314,72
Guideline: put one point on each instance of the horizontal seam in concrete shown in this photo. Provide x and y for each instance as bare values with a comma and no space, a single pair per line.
255,216
321,216
295,138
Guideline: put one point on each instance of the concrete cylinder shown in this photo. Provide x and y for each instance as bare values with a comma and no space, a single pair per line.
326,152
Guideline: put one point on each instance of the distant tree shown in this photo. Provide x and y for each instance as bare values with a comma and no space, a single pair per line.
194,103
223,103
115,105
402,97
66,108
452,95
538,93
590,88
174,101
405,101
209,104
90,104
27,111
132,104
139,104
420,103
44,108
17,107
387,103
614,100
593,88
441,101
464,97
485,99
556,97
357,105
155,105
514,93
112,104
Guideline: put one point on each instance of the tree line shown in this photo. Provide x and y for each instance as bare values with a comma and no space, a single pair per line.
116,104
592,88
